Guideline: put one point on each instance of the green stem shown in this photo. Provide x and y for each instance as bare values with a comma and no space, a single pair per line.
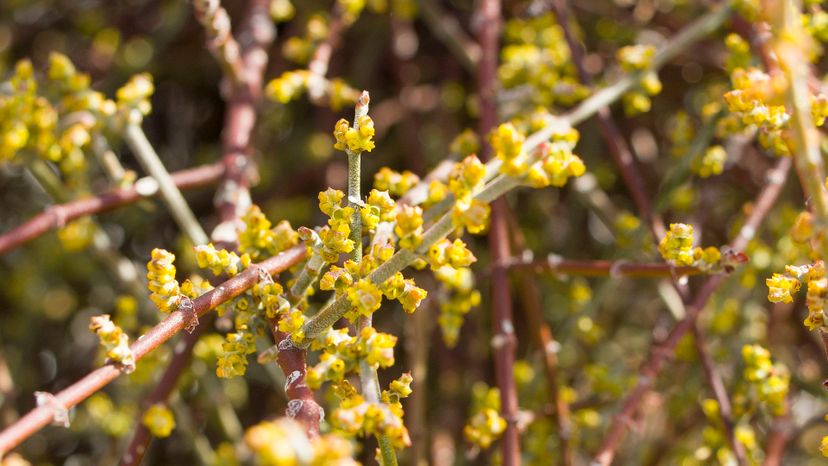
806,137
47,179
606,96
148,158
310,272
107,159
328,315
354,201
500,184
367,372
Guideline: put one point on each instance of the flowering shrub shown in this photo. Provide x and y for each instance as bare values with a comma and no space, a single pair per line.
602,184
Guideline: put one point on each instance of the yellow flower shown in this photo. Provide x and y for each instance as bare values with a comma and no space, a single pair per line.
159,420
365,297
677,245
781,288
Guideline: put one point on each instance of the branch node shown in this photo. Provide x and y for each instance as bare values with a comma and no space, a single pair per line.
292,379
294,407
60,415
186,306
58,214
286,344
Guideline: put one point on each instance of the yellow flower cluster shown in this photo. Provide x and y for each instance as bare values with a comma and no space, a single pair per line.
336,359
639,59
465,179
376,348
815,299
507,143
409,227
466,143
289,86
261,241
557,163
535,54
456,301
114,340
819,109
397,184
233,360
627,228
299,49
166,293
133,98
378,208
677,247
292,84
283,442
711,162
360,138
485,425
292,323
771,381
454,254
336,279
739,54
757,100
781,288
221,260
115,420
634,58
365,298
194,287
53,119
680,132
356,416
335,236
715,437
342,354
159,420
78,234
803,227
398,389
270,299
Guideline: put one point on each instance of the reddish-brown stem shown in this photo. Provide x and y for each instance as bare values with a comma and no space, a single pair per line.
660,352
824,339
714,380
503,341
245,76
301,404
321,59
182,354
618,147
219,37
531,299
779,435
41,416
233,198
58,215
600,268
